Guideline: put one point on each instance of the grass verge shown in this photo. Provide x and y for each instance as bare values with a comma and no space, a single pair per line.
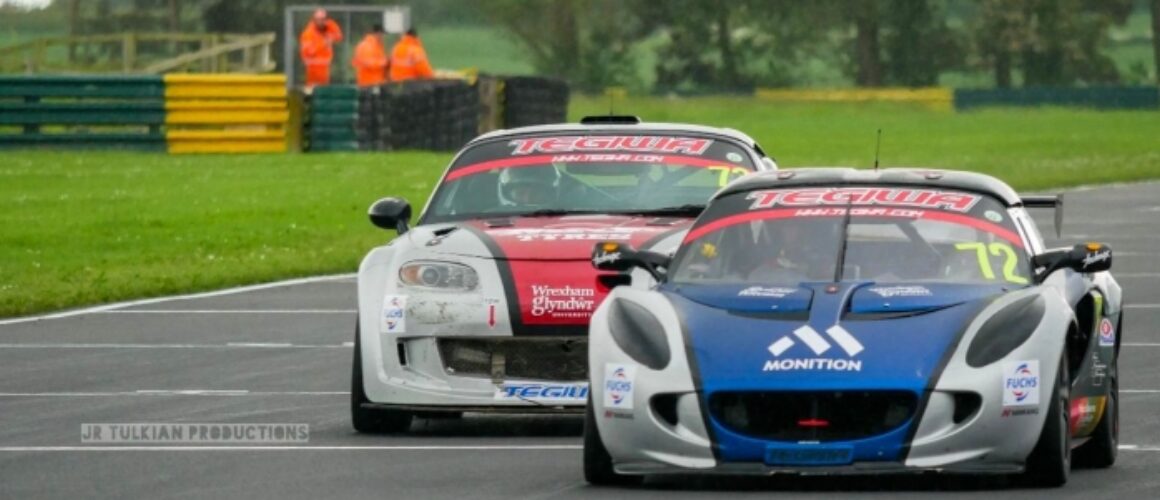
97,227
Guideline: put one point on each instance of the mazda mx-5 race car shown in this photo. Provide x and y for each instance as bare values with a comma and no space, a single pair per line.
484,304
838,321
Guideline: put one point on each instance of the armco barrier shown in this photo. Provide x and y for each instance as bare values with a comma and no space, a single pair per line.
1091,97
226,113
175,113
939,98
102,112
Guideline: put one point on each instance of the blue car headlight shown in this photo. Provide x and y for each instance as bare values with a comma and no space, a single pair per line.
1005,330
639,334
439,276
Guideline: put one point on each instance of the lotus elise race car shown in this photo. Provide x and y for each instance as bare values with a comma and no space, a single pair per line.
838,321
484,304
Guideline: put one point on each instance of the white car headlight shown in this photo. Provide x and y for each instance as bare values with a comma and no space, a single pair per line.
441,276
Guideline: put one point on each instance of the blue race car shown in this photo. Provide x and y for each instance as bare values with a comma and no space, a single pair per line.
857,322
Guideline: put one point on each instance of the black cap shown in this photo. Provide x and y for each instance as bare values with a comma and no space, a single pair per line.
411,31
377,28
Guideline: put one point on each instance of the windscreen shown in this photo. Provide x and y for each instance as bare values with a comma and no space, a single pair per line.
586,174
886,234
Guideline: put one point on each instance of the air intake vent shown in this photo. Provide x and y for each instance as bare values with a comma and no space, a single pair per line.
813,416
610,120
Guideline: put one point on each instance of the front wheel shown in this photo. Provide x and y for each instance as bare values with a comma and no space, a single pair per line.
1049,464
371,420
597,462
1100,451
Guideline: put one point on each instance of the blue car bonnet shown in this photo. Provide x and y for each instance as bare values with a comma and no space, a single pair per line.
847,336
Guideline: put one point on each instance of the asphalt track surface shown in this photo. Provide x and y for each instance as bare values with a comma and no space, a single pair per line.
282,354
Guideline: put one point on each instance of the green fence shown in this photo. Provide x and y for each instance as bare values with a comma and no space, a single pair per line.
1090,97
108,112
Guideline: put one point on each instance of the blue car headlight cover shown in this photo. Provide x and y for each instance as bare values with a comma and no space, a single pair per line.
638,333
1005,330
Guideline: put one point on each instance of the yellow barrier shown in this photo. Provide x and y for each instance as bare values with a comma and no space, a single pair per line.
226,141
941,98
180,86
226,113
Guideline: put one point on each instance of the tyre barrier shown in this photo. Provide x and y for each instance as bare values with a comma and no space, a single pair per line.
436,115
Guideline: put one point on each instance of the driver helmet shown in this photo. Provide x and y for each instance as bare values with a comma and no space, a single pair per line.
808,245
528,186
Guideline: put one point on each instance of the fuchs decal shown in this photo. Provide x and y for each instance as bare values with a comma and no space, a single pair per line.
394,316
1021,383
618,386
920,198
605,143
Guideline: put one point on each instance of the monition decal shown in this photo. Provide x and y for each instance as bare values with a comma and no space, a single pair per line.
819,345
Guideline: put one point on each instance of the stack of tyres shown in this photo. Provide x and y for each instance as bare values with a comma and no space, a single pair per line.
372,129
456,117
334,118
398,114
411,108
534,101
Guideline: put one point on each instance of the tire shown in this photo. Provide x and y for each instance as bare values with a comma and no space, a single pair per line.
1100,451
597,462
1049,464
371,420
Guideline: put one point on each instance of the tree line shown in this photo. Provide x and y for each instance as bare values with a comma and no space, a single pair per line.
745,43
714,45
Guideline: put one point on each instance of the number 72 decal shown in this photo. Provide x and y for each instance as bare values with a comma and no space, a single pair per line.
1010,262
726,173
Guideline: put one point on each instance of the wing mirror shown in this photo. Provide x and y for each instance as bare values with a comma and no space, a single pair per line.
1082,258
391,213
621,257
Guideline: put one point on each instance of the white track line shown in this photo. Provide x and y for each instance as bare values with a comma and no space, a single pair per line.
161,392
231,345
1142,306
543,447
1136,275
229,311
1141,344
155,300
1138,448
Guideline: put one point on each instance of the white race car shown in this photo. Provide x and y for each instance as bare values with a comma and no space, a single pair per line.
484,304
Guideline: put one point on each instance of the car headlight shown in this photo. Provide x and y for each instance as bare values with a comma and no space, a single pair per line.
1005,330
442,276
638,333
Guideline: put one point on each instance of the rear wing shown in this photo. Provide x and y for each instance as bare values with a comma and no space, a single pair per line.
1054,202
